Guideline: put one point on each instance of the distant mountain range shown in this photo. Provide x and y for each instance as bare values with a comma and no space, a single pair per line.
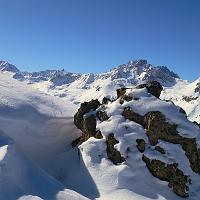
79,87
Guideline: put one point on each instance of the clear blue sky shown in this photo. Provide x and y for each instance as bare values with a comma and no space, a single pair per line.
95,35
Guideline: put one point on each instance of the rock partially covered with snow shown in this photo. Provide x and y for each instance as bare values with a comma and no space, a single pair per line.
145,138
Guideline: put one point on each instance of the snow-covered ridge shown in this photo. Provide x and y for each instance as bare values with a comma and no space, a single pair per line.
139,147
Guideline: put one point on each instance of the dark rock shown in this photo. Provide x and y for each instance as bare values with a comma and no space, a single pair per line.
140,145
190,98
157,128
89,125
106,100
120,92
160,149
170,173
98,135
197,89
102,115
112,153
131,115
85,108
153,87
86,124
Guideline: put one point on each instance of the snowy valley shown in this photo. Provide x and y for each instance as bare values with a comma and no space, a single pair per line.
142,142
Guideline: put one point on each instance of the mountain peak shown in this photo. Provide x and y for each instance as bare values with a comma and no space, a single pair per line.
6,66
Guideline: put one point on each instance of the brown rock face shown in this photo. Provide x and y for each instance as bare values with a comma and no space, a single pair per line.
140,145
153,87
170,173
157,128
85,108
133,116
112,153
106,100
102,115
86,124
121,92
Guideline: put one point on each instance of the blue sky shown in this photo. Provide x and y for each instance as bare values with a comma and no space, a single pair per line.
96,35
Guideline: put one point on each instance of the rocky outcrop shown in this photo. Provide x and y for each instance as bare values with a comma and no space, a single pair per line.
153,87
112,153
170,173
102,115
87,124
157,128
133,116
106,100
85,108
120,92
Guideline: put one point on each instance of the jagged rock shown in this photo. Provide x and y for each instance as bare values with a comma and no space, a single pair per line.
170,173
157,128
197,89
85,108
153,87
86,124
102,115
131,115
120,92
140,145
189,98
160,149
98,135
106,100
89,125
112,153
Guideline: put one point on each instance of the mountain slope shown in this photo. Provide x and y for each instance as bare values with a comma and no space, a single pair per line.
187,96
34,127
139,147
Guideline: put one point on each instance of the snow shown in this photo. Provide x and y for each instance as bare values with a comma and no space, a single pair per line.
34,127
36,131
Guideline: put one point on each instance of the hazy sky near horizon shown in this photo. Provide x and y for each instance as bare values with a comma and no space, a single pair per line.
96,35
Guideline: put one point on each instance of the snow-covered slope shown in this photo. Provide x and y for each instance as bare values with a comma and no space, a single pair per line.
34,127
187,96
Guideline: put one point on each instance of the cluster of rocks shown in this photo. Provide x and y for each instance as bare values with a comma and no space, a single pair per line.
157,128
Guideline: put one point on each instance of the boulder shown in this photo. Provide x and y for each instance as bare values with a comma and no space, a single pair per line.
153,87
170,173
112,153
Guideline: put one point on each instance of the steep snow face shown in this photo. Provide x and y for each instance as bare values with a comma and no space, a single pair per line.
132,179
34,128
187,96
21,177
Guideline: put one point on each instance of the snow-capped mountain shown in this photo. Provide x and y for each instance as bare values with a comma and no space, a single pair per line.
5,66
77,87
